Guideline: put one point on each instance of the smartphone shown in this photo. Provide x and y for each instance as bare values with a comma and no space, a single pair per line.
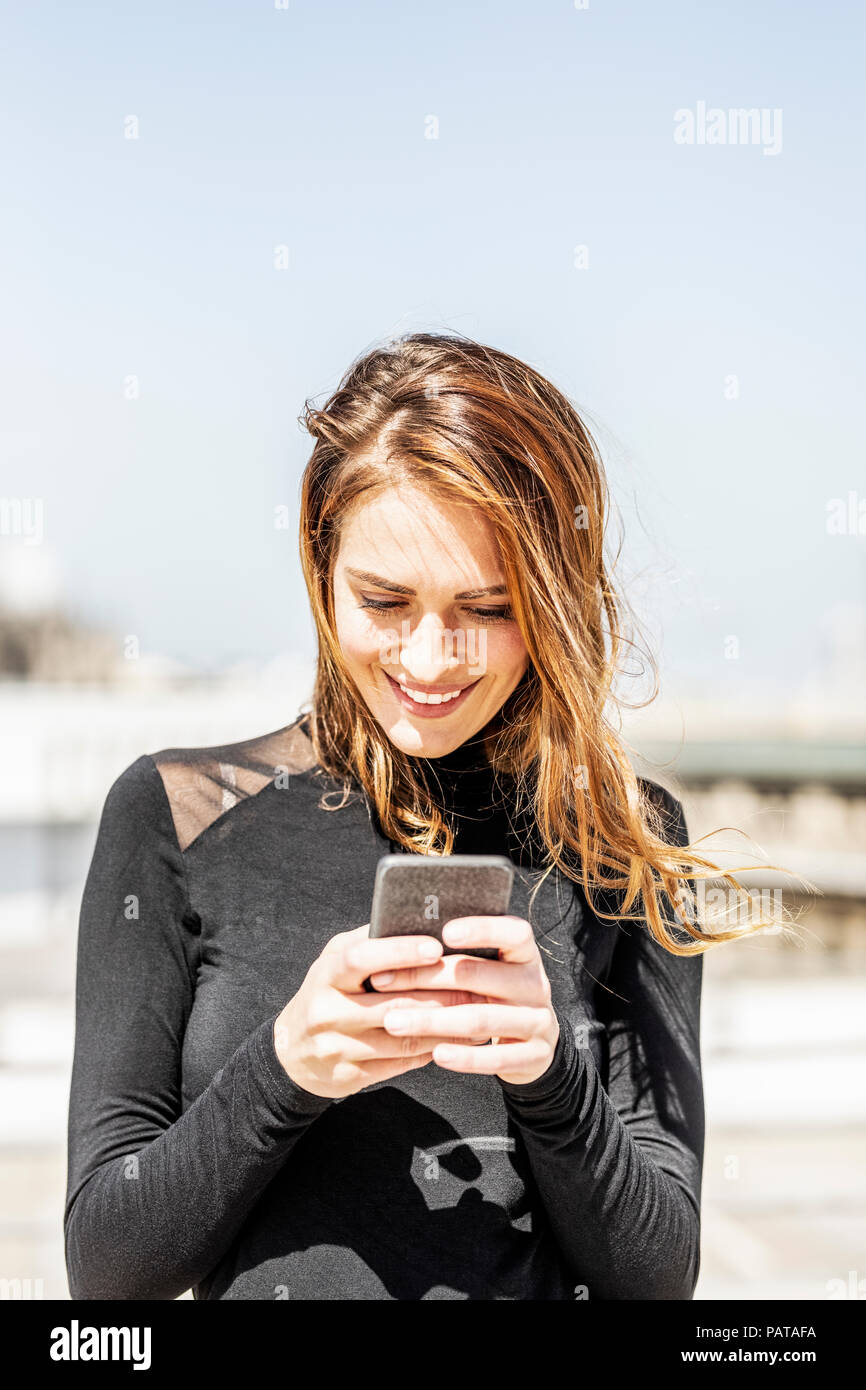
416,894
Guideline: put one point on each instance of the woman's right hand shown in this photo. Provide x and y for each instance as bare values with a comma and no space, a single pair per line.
329,1038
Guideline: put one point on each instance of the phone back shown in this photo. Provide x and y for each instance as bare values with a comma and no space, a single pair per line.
416,894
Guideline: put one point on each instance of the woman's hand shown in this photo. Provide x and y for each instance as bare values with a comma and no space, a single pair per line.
512,1002
329,1038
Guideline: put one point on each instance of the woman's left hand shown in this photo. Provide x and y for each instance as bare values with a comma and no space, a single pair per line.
514,1007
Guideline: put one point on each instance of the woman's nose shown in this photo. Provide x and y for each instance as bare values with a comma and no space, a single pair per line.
432,652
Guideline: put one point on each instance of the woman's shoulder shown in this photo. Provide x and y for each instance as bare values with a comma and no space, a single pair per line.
199,784
667,808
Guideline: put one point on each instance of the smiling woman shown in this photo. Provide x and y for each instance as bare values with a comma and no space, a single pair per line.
444,472
432,672
452,529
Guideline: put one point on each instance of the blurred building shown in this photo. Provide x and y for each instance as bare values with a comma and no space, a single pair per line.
51,647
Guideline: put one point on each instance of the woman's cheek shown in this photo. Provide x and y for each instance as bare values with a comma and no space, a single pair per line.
359,640
506,652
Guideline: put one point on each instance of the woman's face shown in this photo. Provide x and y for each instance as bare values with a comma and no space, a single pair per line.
409,613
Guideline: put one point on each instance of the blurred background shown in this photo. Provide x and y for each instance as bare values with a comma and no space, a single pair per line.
208,212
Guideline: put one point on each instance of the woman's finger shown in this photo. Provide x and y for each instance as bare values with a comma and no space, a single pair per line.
340,1048
497,979
512,935
385,1069
359,1013
505,1058
348,966
468,1021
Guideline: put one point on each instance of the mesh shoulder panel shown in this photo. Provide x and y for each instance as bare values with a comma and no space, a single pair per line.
203,783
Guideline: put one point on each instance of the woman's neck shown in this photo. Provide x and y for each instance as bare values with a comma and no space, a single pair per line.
469,756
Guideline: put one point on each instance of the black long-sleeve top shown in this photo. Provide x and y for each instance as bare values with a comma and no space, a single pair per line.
195,1161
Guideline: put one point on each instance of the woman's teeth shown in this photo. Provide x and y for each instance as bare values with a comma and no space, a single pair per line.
422,699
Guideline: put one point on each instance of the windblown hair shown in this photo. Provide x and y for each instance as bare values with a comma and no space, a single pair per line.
477,426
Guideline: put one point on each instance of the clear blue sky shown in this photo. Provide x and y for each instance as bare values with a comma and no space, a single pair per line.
306,127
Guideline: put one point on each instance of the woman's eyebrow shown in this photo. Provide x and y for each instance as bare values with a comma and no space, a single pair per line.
381,583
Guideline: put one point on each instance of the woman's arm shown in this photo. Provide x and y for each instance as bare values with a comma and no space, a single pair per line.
619,1168
155,1197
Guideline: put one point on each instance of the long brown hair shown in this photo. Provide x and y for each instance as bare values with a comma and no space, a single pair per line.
477,426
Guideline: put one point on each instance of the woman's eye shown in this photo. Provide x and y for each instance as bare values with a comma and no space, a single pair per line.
378,605
491,615
484,615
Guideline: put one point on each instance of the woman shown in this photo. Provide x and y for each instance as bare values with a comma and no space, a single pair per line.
267,1104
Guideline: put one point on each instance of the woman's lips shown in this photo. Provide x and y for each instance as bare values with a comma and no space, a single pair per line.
430,711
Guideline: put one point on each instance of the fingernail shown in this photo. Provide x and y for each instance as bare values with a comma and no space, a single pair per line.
429,949
384,979
456,933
